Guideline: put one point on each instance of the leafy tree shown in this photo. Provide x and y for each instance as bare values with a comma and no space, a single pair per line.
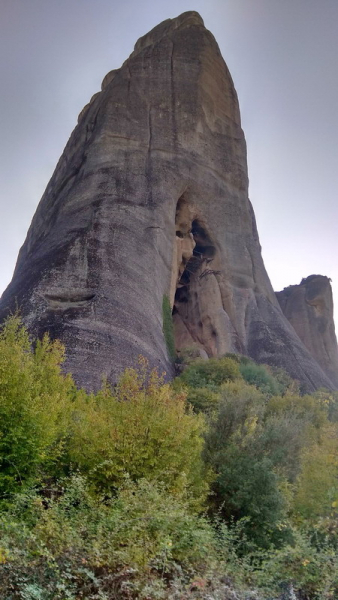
247,484
314,414
329,400
286,384
203,399
209,373
301,569
291,423
75,545
34,406
317,485
282,438
260,376
140,428
247,487
240,411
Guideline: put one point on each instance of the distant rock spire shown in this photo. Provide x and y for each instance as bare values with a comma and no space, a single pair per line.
309,308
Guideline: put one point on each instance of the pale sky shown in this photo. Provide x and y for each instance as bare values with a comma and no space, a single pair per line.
282,55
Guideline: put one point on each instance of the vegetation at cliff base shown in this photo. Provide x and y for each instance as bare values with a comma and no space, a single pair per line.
223,484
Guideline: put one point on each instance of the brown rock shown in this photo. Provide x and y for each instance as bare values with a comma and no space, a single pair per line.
309,308
150,198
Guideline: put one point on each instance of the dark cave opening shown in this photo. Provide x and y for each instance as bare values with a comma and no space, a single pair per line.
204,250
204,247
194,252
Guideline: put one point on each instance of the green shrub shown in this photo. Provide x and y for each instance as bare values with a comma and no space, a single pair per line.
329,400
210,373
203,399
316,493
141,428
236,357
291,424
78,546
286,384
259,376
246,484
240,412
282,438
188,355
247,487
306,408
308,571
34,406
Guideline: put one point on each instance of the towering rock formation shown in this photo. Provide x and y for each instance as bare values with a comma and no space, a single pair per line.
150,199
309,308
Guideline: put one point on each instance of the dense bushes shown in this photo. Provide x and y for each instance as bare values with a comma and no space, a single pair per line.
276,466
101,495
75,545
303,570
34,407
259,376
210,373
247,484
141,428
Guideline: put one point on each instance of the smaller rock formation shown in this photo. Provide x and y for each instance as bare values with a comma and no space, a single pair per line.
309,308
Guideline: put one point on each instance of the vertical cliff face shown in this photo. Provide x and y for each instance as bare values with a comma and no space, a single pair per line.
150,199
309,308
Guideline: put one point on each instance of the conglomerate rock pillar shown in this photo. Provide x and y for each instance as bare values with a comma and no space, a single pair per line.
150,199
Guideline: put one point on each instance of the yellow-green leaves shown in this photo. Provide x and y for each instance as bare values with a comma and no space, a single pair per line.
141,428
317,485
34,405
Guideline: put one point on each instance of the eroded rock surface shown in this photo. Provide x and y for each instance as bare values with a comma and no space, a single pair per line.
150,198
309,308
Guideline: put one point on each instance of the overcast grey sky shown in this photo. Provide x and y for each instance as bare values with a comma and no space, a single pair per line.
282,55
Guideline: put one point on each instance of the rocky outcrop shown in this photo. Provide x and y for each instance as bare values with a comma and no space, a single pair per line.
150,199
309,308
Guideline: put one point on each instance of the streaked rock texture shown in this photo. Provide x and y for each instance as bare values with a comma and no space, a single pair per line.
309,308
150,198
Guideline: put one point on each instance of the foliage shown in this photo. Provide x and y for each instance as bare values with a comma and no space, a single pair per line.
287,385
290,424
141,428
304,569
240,408
317,486
260,376
209,373
78,546
143,455
247,484
203,399
249,487
306,408
34,406
188,354
268,455
168,327
328,399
